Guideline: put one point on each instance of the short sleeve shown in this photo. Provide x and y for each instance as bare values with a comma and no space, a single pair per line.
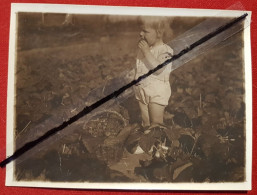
165,54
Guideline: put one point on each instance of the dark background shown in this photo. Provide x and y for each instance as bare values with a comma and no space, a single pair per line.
59,65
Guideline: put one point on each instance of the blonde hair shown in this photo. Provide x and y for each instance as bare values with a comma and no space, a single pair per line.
159,23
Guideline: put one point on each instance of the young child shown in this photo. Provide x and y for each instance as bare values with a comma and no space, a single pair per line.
152,93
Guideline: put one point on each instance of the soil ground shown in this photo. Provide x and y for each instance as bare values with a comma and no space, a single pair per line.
61,69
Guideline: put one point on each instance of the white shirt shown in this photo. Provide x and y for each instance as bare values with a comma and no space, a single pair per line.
161,53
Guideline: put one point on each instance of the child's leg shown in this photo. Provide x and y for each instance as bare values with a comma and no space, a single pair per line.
156,112
145,114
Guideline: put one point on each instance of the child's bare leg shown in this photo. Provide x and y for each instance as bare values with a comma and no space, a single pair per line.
145,114
156,112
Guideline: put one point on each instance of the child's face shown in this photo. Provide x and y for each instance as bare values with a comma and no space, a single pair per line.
149,34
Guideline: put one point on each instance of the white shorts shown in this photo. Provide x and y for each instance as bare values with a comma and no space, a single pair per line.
155,91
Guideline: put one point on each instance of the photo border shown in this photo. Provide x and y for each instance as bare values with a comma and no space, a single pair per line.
123,10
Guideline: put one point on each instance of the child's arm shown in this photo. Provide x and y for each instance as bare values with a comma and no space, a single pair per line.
152,61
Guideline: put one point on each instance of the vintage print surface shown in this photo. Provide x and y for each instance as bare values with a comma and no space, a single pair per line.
186,126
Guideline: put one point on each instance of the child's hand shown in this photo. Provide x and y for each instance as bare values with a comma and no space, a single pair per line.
143,45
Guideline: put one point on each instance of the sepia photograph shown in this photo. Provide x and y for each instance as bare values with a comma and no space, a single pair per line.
184,122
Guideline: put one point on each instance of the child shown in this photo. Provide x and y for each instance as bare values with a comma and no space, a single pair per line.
152,93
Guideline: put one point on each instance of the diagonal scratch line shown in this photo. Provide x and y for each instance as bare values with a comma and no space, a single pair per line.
88,109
